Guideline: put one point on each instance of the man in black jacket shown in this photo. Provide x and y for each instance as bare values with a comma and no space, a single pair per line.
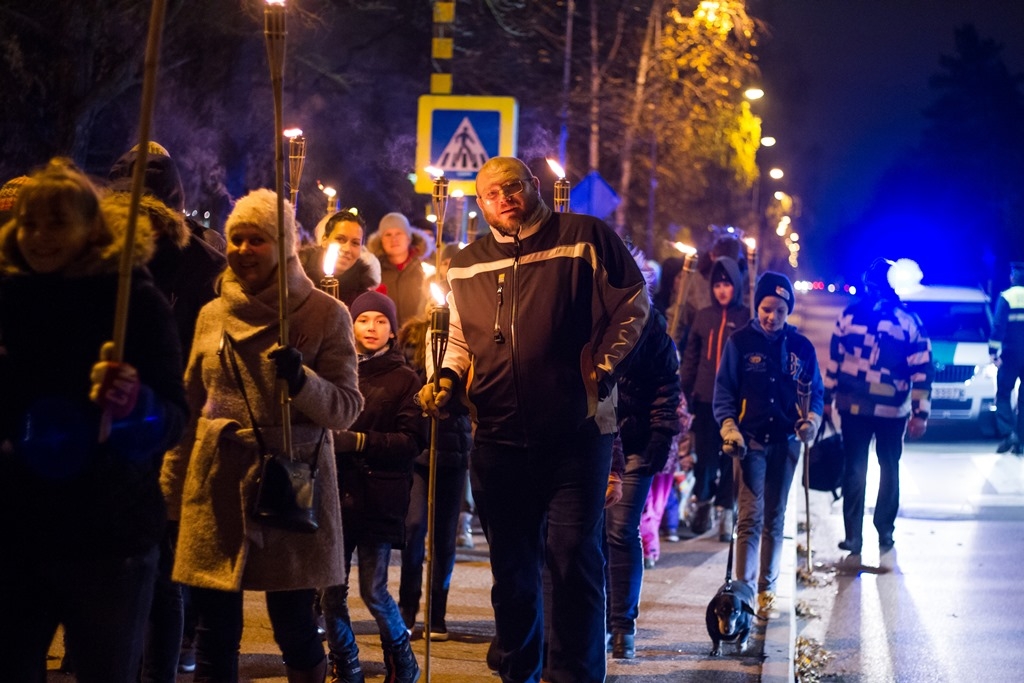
543,311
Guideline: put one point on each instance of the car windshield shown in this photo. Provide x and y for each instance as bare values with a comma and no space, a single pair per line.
954,321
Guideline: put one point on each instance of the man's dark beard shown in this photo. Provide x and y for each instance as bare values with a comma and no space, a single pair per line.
511,232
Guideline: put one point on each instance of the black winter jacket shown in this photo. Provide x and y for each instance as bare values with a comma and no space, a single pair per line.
375,456
534,319
60,488
649,397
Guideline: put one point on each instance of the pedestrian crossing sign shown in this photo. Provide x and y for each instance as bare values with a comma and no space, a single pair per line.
458,133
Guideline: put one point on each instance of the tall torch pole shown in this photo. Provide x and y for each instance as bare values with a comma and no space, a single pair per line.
439,318
561,187
296,160
682,288
274,33
753,265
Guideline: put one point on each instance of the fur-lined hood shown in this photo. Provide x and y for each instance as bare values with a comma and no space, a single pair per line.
421,245
104,255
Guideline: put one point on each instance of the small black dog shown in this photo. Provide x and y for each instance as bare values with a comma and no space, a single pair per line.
729,616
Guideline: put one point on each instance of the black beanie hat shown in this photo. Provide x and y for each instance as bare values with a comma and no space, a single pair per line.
774,284
380,303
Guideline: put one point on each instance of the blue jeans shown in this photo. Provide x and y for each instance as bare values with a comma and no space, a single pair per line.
625,569
766,476
373,561
219,631
448,500
543,506
858,431
103,603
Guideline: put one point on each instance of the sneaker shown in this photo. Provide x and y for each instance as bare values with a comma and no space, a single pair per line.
672,536
648,563
701,521
765,603
408,617
187,660
1010,443
850,546
493,655
885,543
725,525
465,537
439,633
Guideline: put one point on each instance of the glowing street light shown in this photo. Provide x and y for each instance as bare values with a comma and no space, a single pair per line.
776,174
754,93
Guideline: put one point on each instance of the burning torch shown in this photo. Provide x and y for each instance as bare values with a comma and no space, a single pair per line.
329,283
682,287
439,204
274,34
296,160
332,197
439,321
561,187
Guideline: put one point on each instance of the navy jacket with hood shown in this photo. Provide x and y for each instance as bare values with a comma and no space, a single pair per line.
712,325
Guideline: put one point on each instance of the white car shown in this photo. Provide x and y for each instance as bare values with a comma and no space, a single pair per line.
958,321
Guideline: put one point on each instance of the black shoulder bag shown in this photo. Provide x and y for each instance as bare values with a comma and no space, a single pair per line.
286,495
826,460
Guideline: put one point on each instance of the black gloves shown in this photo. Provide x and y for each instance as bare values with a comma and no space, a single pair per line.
288,360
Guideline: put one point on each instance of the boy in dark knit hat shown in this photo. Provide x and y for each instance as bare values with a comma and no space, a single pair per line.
375,459
768,398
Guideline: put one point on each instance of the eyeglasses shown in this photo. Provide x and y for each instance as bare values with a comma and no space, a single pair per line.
508,190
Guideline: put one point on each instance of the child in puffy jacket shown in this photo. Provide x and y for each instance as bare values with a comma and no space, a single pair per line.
375,458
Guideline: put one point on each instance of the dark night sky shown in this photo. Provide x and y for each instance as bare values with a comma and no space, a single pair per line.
846,81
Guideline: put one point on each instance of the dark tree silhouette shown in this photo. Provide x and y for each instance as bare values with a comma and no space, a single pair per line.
955,202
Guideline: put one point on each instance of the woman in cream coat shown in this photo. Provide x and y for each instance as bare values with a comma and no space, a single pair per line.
210,479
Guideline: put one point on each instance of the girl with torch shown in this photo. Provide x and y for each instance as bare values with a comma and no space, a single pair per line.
84,519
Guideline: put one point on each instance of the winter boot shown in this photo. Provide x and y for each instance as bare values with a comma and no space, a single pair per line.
400,662
701,522
315,675
725,517
344,656
347,671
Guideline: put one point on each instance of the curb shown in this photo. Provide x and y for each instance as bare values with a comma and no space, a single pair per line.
780,634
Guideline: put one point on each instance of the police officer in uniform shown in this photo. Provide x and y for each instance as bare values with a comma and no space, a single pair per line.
1006,347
